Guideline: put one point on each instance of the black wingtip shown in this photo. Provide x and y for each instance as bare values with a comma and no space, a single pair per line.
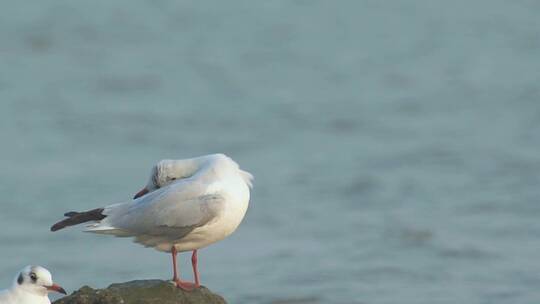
75,218
55,227
60,225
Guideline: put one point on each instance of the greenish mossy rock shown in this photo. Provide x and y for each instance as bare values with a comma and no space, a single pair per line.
142,292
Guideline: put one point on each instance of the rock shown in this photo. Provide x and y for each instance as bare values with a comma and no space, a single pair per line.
142,292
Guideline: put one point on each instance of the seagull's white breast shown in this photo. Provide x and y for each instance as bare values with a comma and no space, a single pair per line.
232,211
19,296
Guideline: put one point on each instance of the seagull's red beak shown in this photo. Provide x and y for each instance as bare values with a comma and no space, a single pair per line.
141,193
57,288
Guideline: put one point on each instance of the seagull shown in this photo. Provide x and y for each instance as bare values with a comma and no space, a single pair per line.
186,205
31,286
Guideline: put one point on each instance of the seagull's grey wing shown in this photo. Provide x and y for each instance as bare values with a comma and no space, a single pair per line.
172,212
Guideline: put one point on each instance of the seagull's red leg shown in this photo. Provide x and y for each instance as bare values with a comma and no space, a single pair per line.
175,274
188,286
195,270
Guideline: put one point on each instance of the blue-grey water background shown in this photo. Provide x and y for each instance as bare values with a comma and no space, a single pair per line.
395,144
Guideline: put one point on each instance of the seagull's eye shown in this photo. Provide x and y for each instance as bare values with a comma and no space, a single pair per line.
33,277
173,178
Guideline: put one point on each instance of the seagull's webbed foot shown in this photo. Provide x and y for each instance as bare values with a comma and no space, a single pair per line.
185,285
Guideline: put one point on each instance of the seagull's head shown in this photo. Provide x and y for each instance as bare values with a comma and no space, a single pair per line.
37,280
167,171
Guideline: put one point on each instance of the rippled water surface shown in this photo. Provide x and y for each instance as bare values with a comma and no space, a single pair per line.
395,145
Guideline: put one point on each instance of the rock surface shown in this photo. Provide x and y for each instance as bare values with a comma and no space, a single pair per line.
141,292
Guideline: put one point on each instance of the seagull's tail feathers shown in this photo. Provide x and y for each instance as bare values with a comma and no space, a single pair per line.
107,225
106,229
75,218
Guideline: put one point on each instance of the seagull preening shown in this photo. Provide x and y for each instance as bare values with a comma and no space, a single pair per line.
31,286
186,205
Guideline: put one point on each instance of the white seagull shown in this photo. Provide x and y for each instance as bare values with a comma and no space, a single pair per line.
186,205
30,286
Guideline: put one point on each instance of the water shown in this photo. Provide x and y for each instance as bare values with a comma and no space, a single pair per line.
394,145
